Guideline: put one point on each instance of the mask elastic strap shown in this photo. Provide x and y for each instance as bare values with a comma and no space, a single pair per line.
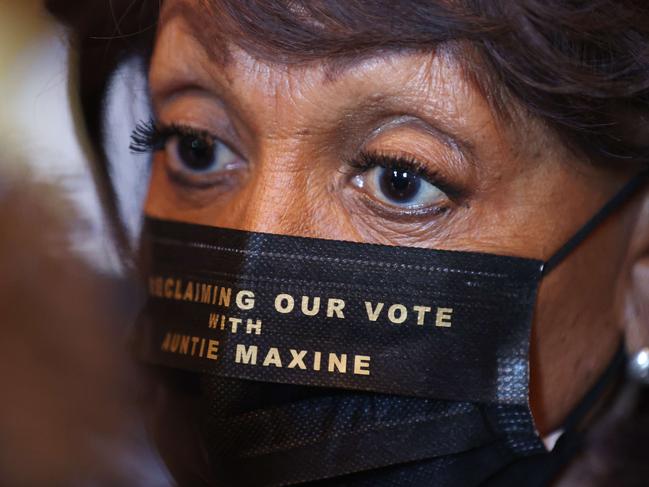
621,197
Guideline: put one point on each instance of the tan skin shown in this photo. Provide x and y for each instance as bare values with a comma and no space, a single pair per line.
293,129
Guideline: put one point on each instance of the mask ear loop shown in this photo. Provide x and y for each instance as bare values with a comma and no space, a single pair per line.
568,443
621,197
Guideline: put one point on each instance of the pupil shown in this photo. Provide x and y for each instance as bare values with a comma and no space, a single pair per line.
399,185
195,153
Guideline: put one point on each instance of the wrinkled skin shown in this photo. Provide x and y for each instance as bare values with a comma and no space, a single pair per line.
293,129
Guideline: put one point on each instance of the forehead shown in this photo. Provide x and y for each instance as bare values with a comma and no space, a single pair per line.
223,27
223,34
298,30
188,45
438,83
428,85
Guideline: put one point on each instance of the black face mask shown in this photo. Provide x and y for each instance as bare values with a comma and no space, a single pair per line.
339,363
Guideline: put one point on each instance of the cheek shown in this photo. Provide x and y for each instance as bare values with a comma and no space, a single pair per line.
156,205
576,326
290,199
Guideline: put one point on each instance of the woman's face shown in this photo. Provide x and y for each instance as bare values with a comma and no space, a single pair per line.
398,148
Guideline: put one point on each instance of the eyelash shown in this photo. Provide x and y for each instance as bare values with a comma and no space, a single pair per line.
366,161
149,137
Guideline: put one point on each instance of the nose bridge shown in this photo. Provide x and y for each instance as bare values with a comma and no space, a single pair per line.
276,199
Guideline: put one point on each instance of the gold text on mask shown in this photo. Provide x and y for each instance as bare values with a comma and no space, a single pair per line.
250,355
285,304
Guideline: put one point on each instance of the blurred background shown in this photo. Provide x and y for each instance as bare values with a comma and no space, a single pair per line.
39,132
74,402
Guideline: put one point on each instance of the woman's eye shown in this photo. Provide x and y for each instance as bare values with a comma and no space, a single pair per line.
199,154
400,187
